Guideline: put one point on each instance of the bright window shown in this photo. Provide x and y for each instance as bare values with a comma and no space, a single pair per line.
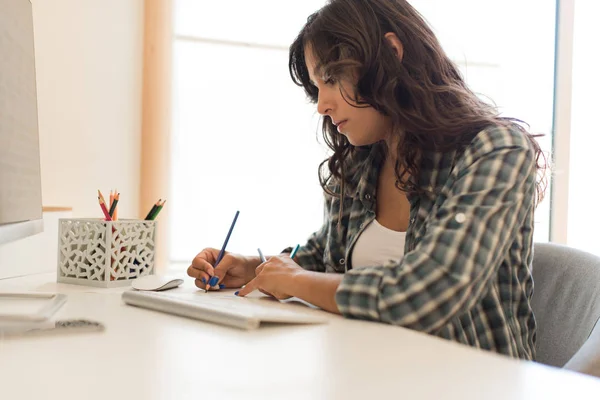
245,138
585,134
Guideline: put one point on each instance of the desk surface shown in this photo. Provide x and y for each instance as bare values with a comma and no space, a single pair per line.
144,354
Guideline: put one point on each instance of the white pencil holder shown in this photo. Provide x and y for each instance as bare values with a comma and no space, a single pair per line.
102,253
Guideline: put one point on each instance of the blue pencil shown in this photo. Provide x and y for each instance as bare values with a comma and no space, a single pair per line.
222,252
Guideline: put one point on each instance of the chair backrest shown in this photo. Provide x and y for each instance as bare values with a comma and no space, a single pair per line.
587,358
566,305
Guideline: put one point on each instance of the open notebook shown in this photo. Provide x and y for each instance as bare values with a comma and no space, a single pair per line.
224,308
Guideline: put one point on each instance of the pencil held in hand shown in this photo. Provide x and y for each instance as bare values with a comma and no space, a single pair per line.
295,251
262,256
222,252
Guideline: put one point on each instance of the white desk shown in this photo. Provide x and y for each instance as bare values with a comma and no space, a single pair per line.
148,355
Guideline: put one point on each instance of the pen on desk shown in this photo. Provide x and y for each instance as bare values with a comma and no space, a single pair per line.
212,281
294,251
262,257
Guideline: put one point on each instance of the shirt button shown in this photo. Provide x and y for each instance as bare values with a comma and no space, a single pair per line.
460,218
342,261
368,197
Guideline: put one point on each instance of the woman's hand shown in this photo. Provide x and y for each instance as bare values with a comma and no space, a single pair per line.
275,277
233,271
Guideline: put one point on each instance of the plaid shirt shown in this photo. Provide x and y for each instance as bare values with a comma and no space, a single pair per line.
466,271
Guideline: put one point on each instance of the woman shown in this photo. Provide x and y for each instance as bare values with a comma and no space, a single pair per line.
430,195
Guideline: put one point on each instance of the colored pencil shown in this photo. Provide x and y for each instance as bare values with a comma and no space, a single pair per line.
295,251
104,210
151,212
113,205
160,207
116,212
222,252
262,256
101,198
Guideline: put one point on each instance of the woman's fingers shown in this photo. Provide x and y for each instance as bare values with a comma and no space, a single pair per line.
259,269
249,288
203,262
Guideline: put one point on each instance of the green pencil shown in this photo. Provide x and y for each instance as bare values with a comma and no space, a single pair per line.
160,206
152,210
294,251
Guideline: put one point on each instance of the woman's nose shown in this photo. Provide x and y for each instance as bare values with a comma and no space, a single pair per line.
325,102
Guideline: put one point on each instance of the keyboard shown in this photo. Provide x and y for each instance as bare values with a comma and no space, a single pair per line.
223,308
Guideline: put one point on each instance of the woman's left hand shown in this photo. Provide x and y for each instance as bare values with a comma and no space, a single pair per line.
274,277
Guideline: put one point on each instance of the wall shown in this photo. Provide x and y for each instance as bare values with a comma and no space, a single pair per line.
89,81
34,254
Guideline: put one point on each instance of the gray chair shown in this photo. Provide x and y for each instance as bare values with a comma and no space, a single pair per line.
566,304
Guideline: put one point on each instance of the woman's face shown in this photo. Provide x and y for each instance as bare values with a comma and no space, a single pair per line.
361,125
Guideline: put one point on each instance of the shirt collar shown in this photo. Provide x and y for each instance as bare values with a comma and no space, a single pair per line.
435,170
368,173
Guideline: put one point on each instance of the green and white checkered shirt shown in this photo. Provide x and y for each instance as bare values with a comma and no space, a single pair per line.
466,271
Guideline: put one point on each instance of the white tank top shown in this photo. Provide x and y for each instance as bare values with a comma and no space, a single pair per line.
377,245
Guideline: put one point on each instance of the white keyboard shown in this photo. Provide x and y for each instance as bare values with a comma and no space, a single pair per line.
239,312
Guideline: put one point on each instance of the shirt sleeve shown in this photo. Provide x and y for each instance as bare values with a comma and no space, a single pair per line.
458,256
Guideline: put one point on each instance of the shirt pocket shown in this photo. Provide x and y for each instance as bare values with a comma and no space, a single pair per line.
334,259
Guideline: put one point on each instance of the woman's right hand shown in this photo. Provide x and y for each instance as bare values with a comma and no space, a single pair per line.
233,271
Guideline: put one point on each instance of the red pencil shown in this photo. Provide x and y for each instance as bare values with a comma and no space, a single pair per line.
104,210
101,197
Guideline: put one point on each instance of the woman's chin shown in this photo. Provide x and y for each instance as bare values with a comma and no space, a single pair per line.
357,142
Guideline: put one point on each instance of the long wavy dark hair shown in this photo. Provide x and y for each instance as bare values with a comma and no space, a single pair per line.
424,94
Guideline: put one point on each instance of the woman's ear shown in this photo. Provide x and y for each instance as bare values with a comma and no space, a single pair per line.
395,44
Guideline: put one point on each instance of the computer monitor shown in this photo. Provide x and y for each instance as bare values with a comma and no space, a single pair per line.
20,179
